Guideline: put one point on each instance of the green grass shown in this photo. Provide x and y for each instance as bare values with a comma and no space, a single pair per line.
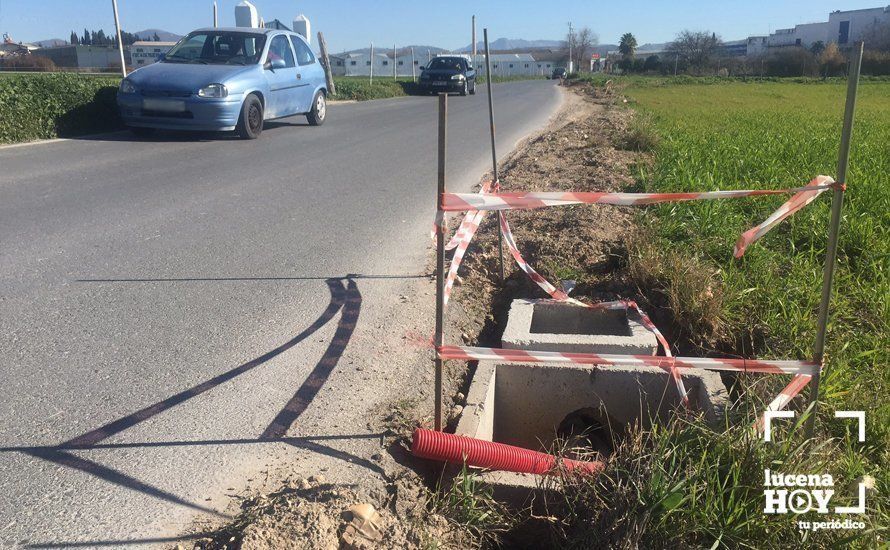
682,484
729,134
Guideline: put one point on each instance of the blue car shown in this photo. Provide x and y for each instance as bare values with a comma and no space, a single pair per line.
224,79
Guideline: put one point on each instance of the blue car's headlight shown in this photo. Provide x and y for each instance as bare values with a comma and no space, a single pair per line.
213,90
127,87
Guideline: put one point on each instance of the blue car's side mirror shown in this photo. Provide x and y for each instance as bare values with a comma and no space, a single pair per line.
275,64
162,56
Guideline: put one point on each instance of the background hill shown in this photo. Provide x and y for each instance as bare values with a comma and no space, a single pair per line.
165,36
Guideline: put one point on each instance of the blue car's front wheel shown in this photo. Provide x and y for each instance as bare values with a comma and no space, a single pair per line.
250,123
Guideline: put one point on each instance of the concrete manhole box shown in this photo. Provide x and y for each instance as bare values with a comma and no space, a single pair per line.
524,404
546,325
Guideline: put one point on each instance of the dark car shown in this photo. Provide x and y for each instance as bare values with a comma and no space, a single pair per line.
448,74
558,72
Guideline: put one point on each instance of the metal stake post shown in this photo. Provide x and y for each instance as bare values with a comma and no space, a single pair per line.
120,44
413,63
837,201
494,155
440,256
395,63
372,64
215,15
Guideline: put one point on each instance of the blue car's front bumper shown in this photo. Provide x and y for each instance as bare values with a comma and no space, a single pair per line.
190,113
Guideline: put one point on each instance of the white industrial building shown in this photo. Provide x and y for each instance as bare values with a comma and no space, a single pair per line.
145,52
516,64
512,64
359,63
842,27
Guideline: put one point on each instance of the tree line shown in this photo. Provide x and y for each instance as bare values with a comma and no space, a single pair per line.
99,38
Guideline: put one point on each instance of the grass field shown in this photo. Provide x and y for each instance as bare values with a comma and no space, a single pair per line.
708,135
749,135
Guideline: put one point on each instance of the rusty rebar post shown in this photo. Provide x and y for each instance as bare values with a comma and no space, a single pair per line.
439,339
494,154
837,201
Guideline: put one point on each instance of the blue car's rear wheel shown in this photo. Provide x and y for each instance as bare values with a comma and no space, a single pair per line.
250,123
319,110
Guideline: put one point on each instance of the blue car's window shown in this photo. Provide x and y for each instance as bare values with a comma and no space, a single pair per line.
279,49
304,54
218,48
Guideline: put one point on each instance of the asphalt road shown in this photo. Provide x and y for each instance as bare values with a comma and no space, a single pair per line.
161,301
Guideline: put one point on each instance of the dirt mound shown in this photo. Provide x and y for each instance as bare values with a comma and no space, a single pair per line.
314,514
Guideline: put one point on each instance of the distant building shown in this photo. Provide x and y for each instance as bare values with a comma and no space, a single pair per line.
519,64
8,48
82,57
735,48
359,63
756,45
338,65
145,53
504,64
842,27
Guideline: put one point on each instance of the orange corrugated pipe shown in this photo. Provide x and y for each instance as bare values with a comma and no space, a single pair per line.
458,449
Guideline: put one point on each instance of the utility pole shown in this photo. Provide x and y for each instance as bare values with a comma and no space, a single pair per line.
676,61
326,60
413,71
372,63
215,15
395,63
571,39
475,60
120,43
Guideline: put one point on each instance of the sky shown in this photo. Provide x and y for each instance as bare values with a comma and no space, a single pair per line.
351,24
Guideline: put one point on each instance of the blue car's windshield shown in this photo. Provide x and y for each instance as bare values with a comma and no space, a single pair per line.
218,48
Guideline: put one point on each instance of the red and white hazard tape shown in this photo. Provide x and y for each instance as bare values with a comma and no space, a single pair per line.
457,202
467,353
462,244
795,203
478,205
460,234
798,383
561,296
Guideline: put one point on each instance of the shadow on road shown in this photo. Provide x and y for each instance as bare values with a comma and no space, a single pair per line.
226,279
344,298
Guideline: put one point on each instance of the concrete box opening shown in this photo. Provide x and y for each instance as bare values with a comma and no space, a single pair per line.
545,325
554,320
